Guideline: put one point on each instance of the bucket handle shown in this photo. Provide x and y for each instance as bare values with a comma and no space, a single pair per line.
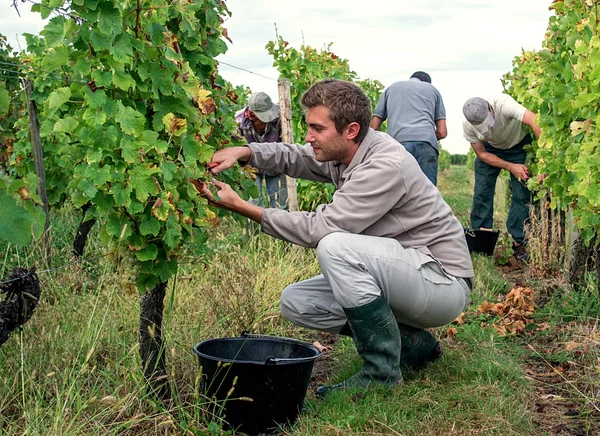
270,360
247,334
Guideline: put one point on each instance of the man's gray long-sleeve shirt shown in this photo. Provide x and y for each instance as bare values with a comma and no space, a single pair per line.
382,192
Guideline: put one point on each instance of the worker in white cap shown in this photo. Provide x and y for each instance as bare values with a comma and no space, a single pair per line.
498,132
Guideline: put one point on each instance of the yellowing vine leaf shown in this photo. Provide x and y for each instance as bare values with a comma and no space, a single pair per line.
226,34
205,103
174,125
581,126
24,192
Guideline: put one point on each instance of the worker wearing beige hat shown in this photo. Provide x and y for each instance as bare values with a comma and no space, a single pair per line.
259,122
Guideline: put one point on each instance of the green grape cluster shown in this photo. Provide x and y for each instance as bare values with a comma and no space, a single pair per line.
129,271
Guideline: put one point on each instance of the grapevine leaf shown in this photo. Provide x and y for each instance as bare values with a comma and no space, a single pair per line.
102,78
150,227
206,152
99,175
109,21
143,183
174,125
123,80
99,41
88,188
56,58
168,169
166,270
161,209
94,116
146,282
4,100
57,98
78,199
131,121
191,150
118,226
162,81
121,194
93,155
42,9
66,125
136,207
173,234
104,203
151,138
55,31
15,221
130,149
121,48
148,253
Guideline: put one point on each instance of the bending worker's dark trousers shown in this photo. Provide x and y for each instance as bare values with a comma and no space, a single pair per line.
482,212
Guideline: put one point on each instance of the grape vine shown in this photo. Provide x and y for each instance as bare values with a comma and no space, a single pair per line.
20,217
561,83
131,107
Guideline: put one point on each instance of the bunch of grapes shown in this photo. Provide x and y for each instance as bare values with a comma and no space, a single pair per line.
129,271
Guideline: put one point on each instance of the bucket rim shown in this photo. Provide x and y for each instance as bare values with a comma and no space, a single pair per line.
286,361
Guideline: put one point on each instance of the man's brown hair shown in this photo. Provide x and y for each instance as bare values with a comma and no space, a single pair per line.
347,103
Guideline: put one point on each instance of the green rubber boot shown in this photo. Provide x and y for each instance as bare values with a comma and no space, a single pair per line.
418,346
377,339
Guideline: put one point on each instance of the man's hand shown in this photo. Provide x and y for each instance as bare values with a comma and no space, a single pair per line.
227,157
520,171
228,198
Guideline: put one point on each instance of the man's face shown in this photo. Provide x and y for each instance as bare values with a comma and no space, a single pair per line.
255,120
325,140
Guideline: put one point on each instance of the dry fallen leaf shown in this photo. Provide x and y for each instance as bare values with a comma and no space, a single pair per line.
569,346
515,311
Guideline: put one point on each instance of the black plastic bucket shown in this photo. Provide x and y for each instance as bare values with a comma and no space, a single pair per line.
481,241
273,372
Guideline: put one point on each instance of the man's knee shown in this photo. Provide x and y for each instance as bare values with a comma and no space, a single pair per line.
288,304
332,245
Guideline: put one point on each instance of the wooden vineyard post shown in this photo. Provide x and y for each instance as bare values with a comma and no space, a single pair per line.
287,134
38,158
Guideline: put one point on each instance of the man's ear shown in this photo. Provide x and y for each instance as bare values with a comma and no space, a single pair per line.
352,130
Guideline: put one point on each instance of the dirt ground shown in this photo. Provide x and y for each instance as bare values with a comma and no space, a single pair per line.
324,364
562,364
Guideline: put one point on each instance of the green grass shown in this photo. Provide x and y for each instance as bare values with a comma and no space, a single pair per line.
75,369
476,388
456,186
